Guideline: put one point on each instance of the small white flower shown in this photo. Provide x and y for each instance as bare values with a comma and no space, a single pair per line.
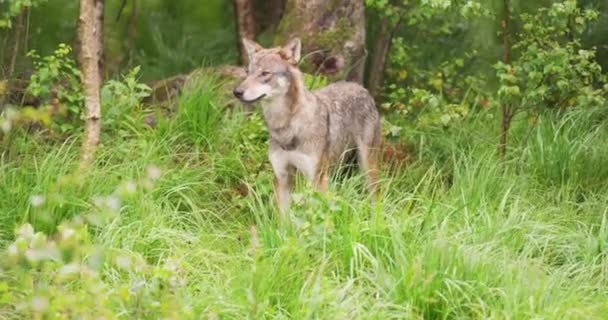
69,269
153,172
113,203
26,231
40,304
136,287
94,219
67,233
445,119
37,200
123,262
130,187
6,126
33,255
12,250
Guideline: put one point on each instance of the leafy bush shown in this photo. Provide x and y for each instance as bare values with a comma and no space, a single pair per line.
551,69
121,102
430,86
12,8
56,83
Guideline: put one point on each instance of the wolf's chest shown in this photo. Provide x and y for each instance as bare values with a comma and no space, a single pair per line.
286,138
291,137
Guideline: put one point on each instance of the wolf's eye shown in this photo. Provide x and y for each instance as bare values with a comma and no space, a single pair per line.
265,74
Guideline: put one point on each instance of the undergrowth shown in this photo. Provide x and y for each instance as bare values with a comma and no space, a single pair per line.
178,221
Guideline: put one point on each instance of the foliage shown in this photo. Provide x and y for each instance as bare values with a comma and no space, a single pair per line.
198,115
455,235
315,81
122,101
432,87
68,274
551,68
12,117
56,84
196,235
12,8
57,89
171,37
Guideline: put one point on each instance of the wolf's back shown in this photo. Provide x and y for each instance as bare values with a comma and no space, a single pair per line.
349,101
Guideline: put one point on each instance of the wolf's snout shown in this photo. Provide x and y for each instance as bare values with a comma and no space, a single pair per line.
238,92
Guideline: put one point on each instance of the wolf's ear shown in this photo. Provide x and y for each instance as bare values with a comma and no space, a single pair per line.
251,47
292,51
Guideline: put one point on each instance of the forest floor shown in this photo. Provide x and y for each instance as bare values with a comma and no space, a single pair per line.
457,234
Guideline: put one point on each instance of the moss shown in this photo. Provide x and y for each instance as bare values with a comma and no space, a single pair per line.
294,19
291,21
331,6
334,37
330,41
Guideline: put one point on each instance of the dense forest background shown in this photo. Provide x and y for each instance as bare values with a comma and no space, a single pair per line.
176,37
171,37
132,184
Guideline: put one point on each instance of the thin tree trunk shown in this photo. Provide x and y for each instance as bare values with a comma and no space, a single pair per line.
26,38
506,109
17,41
384,38
132,33
245,26
90,56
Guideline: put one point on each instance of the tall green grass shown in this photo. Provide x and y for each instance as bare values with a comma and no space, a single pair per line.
457,234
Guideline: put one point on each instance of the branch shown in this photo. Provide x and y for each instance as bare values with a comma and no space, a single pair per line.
123,4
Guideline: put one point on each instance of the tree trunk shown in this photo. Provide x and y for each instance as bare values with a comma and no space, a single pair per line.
18,30
90,56
268,14
99,21
506,109
384,38
245,26
333,36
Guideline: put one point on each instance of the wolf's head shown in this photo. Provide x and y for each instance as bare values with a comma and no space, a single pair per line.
270,71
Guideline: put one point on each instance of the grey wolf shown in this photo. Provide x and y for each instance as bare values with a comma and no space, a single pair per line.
309,130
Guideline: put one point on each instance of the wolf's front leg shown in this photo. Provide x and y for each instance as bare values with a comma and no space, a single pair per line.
315,168
283,179
283,183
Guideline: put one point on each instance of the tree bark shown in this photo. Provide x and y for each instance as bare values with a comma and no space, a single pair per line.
268,14
333,36
99,21
384,38
18,30
506,109
90,56
245,26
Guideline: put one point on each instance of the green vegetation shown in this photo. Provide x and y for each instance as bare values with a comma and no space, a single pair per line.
174,222
176,218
